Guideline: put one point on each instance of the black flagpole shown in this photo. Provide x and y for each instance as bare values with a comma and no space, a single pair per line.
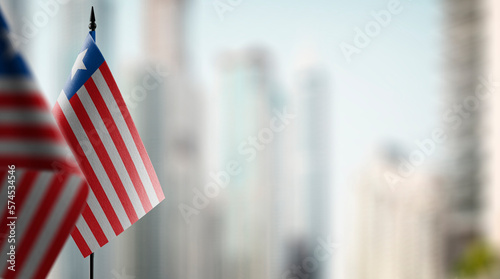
92,266
92,24
92,27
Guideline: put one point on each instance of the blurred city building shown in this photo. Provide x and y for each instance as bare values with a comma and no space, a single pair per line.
315,109
395,231
249,99
463,60
178,113
273,209
315,117
491,124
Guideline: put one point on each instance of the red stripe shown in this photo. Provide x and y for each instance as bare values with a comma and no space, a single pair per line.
82,160
103,155
49,200
80,242
63,232
31,132
23,184
106,73
119,143
22,100
54,163
94,226
3,181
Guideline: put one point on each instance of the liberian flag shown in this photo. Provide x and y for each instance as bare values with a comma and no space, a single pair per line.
97,125
41,190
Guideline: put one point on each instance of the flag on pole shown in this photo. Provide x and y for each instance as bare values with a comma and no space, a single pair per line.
97,125
42,191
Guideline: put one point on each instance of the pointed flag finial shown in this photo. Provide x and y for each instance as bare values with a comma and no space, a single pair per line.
92,24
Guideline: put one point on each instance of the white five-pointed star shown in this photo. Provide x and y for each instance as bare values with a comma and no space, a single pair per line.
79,63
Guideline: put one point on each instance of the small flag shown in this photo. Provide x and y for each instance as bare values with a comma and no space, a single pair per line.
97,125
42,191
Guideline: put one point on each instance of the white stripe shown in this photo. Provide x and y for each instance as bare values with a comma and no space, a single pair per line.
25,116
18,84
110,147
87,234
103,221
32,148
126,135
28,211
51,226
38,190
94,161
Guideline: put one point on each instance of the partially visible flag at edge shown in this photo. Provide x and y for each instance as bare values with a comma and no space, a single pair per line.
41,190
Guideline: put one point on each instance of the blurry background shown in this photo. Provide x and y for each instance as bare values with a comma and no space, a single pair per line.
366,133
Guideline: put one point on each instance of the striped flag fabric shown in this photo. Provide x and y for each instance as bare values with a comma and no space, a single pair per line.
42,191
97,125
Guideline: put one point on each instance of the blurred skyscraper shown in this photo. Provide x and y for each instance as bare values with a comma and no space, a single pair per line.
463,57
249,99
491,123
314,113
396,231
316,109
180,123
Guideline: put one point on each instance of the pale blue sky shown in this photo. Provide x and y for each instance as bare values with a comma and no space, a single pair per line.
390,92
